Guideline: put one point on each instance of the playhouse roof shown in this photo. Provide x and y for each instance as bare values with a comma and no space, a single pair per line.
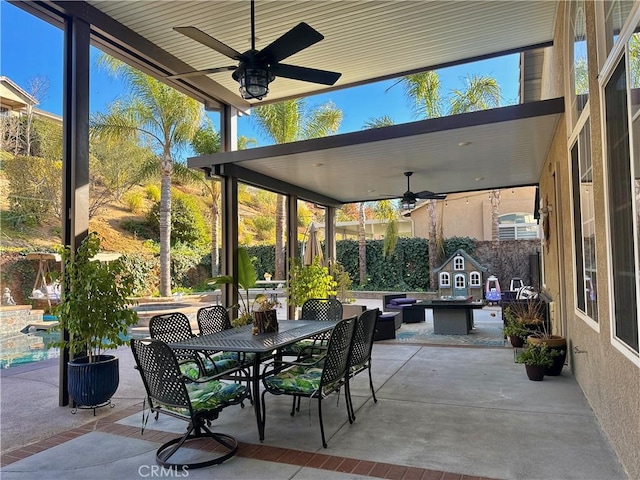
467,257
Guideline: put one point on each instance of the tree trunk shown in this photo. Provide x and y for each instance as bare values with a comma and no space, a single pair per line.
279,266
362,245
215,220
165,227
495,214
433,244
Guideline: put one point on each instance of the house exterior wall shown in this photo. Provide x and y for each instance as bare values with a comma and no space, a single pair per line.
608,378
469,215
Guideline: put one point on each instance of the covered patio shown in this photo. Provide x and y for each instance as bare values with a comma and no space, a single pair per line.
442,413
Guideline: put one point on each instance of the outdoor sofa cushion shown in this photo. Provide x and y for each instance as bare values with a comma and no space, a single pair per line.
402,301
210,395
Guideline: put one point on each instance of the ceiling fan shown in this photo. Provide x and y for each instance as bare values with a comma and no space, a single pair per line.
409,198
256,69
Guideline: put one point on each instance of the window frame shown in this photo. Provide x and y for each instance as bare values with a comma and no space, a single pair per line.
459,276
458,263
441,277
617,54
475,279
574,142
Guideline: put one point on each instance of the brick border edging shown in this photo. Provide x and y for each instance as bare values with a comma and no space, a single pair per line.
246,450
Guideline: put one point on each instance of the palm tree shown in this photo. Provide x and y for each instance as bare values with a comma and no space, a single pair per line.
207,141
423,92
157,115
286,122
384,209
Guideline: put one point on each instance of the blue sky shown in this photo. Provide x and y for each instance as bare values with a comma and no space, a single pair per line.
30,47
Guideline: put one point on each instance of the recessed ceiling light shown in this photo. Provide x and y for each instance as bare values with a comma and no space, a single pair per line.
478,179
464,144
371,190
318,164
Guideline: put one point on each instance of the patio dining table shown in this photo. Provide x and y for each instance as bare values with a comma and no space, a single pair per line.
262,345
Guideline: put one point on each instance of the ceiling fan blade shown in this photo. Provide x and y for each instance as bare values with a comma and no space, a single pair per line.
207,40
305,74
428,195
207,71
298,38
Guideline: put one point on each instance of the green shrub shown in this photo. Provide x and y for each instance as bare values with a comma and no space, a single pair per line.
185,259
134,201
187,222
153,192
145,271
309,281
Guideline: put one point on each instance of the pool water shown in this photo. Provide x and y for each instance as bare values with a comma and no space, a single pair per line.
19,349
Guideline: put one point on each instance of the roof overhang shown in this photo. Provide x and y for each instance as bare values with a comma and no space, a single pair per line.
498,148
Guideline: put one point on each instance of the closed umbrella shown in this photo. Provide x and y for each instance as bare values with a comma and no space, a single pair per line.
312,247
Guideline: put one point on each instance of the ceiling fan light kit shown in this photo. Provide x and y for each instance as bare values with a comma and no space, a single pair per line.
409,199
257,69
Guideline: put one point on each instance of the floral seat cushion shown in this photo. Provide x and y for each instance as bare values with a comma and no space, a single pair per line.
211,395
213,365
298,379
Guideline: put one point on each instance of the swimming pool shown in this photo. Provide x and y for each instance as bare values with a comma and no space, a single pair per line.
20,348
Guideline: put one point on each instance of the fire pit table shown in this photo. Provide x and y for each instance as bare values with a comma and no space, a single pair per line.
452,315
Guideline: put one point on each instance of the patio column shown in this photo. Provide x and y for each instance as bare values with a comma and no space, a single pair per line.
75,134
330,235
229,196
292,241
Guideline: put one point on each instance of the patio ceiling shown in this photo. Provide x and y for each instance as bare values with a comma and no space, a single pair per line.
365,40
504,147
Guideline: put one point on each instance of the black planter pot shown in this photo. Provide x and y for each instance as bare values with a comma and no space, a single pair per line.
535,372
516,341
557,343
92,385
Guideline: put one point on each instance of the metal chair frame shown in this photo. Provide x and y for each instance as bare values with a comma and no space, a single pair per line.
166,388
334,367
360,355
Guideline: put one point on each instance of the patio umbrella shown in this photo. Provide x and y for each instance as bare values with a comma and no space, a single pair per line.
312,247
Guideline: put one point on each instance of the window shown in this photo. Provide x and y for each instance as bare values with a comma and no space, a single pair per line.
460,281
445,280
458,263
475,279
517,226
579,77
615,14
622,193
584,225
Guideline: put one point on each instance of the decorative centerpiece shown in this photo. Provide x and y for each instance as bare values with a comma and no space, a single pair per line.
261,312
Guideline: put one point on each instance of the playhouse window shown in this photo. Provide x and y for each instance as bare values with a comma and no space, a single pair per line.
459,281
474,279
445,280
458,263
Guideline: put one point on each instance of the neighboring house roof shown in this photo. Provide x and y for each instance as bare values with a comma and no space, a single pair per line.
467,257
13,96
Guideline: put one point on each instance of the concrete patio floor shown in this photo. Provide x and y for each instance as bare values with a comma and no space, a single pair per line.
442,413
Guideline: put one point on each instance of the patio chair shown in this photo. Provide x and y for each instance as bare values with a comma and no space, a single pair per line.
315,379
215,319
360,356
198,403
175,326
321,309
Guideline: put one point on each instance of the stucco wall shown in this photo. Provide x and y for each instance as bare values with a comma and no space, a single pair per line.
609,380
469,215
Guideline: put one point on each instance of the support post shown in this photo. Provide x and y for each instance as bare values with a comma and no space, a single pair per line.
292,248
75,133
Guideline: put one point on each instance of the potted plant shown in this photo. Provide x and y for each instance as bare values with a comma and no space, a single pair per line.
309,281
536,358
247,279
556,343
514,329
94,309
